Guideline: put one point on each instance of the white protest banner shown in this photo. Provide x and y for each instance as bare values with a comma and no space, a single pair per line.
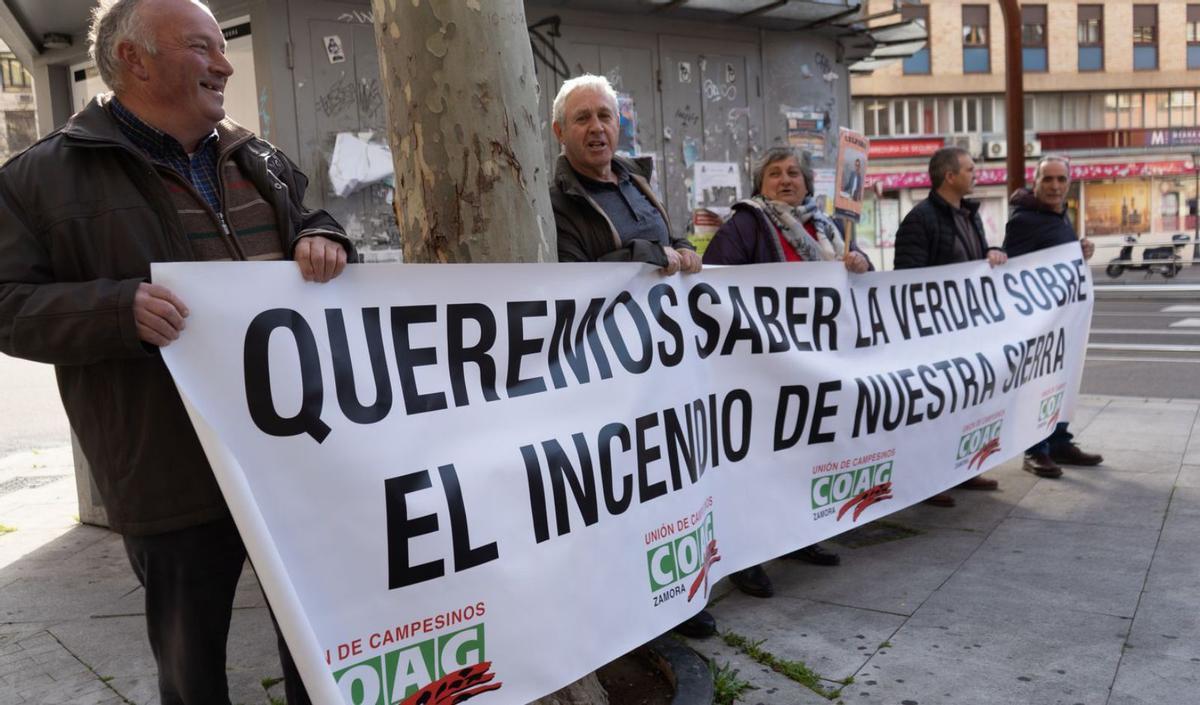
494,479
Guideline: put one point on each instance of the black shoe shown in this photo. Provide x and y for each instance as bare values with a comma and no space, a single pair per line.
816,555
753,581
700,626
1071,454
1041,465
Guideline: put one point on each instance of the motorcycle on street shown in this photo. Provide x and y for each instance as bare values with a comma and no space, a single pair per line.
1164,260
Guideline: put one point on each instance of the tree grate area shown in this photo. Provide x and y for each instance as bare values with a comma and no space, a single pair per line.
27,483
874,533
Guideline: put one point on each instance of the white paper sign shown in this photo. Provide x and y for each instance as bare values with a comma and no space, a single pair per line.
496,478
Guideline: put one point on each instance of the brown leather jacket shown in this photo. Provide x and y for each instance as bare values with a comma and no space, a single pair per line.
82,215
585,233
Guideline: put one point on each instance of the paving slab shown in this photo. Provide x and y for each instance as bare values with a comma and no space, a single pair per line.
1153,678
975,511
1086,496
1065,565
1151,425
893,576
833,640
1124,460
1001,650
1185,501
1189,476
770,688
1192,453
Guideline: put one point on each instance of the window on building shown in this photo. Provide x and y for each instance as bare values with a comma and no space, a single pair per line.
1091,37
1193,36
877,118
970,115
976,54
1183,108
1157,109
1033,38
1145,37
15,78
919,63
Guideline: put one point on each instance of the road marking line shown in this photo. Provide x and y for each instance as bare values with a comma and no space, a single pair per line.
1103,358
1182,308
1141,331
1186,323
1135,347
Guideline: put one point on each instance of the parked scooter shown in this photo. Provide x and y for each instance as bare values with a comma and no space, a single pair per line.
1164,260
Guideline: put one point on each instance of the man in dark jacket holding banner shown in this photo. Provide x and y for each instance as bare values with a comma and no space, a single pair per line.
150,173
605,210
946,228
604,207
1039,220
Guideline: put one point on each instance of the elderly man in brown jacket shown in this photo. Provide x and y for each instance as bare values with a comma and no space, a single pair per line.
152,173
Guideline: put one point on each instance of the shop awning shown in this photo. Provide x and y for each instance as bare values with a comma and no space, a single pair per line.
890,43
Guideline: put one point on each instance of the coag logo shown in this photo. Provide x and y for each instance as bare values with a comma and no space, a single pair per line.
975,446
681,557
445,669
1049,409
858,488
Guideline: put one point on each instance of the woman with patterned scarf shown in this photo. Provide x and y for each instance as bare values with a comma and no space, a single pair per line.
781,222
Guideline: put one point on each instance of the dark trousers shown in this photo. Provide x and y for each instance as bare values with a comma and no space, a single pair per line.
190,577
1059,438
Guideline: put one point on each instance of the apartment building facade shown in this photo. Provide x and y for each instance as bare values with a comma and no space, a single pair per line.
1111,85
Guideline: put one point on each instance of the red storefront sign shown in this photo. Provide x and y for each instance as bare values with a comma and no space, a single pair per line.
1115,139
893,149
988,176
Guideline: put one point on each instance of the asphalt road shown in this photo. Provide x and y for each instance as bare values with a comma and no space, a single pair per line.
1147,346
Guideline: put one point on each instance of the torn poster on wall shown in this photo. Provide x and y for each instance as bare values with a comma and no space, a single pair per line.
333,49
627,131
717,186
358,162
824,181
806,131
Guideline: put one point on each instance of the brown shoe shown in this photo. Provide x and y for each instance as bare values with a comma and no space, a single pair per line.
941,500
1071,454
1041,465
979,482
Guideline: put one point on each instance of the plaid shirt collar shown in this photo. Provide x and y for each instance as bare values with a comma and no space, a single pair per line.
200,169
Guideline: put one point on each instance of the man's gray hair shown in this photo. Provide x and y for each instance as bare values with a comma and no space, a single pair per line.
113,22
778,154
1037,173
946,160
587,80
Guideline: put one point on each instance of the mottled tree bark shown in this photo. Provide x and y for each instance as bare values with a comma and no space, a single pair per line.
471,181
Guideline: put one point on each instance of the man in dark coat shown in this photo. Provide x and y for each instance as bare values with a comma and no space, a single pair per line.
946,228
1039,220
605,210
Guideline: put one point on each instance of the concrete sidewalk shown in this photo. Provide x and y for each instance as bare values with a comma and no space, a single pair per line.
1078,590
